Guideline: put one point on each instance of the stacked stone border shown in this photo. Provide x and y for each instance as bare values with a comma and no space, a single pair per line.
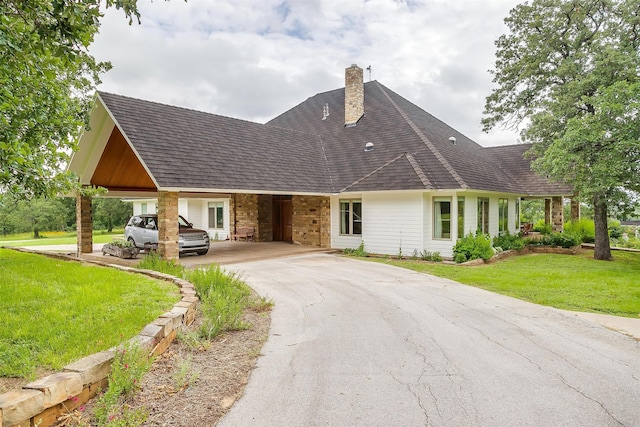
42,401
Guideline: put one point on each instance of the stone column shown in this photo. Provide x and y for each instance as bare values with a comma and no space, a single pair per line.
575,210
547,211
557,216
168,225
84,225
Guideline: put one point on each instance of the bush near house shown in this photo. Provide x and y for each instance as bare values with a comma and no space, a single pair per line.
508,242
583,227
472,247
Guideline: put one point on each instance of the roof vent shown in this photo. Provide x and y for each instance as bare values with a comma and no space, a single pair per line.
325,111
452,139
368,147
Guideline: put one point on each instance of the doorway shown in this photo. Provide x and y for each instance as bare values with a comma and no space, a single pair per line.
282,219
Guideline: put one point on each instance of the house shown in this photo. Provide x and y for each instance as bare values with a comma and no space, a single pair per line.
356,165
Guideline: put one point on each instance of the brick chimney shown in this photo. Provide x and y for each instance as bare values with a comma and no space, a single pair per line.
353,95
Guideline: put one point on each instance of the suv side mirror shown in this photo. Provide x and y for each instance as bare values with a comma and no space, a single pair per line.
150,227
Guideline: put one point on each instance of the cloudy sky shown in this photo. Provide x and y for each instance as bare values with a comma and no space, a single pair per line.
254,59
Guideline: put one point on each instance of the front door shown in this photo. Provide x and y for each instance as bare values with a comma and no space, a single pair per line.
282,219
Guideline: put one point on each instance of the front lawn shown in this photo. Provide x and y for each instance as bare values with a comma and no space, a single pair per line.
53,312
57,238
570,282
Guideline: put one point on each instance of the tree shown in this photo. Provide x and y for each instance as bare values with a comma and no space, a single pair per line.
47,81
108,212
568,72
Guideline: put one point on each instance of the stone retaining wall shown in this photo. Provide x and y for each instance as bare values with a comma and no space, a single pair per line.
42,401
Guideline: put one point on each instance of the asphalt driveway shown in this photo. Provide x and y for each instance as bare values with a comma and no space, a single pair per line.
355,343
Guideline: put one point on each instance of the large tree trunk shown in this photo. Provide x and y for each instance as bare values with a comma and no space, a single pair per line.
603,248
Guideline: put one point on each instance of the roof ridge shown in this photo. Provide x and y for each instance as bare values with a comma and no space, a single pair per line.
326,162
373,172
426,141
418,170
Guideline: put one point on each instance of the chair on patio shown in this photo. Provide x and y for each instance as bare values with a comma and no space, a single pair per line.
526,228
246,233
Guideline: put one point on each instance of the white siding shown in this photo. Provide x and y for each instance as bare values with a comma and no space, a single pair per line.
392,222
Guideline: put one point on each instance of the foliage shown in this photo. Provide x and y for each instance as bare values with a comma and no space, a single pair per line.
47,80
472,247
564,240
508,241
223,297
569,282
584,228
34,215
108,212
53,311
359,252
570,70
541,227
128,367
615,230
431,256
121,243
153,261
532,210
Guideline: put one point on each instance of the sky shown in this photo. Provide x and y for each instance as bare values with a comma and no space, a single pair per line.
255,59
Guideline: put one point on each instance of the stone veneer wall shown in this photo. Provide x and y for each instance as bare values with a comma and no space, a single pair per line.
557,214
168,225
84,224
244,212
311,221
42,401
264,233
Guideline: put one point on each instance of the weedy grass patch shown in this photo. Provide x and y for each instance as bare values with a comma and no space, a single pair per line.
53,311
570,282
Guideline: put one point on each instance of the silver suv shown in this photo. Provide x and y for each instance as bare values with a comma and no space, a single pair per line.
143,229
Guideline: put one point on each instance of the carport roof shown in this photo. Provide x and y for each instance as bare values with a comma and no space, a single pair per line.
184,148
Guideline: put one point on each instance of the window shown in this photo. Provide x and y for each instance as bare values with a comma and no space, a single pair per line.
460,216
441,218
503,216
483,215
351,217
517,214
143,208
216,214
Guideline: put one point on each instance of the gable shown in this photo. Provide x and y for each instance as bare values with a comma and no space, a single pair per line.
119,167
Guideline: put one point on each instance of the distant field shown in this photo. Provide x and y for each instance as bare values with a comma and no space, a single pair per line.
57,238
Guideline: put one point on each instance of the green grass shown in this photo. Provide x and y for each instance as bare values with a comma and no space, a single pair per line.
53,312
577,283
57,238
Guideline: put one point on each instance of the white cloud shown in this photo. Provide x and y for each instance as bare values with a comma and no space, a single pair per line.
254,59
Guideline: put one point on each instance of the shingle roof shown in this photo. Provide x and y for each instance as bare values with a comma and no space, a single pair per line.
513,160
190,149
396,126
305,151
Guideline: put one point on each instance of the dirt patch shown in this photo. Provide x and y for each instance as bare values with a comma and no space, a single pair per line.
189,386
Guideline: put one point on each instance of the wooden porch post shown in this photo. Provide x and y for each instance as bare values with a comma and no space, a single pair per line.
84,225
168,225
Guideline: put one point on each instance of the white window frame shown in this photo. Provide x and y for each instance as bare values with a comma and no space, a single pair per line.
439,220
215,206
484,216
347,229
503,216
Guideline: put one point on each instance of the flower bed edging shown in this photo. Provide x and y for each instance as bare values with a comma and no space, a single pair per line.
42,401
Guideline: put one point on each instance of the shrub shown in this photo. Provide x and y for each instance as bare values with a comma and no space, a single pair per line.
564,240
615,230
430,256
153,261
356,252
541,227
508,241
223,297
584,228
473,247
